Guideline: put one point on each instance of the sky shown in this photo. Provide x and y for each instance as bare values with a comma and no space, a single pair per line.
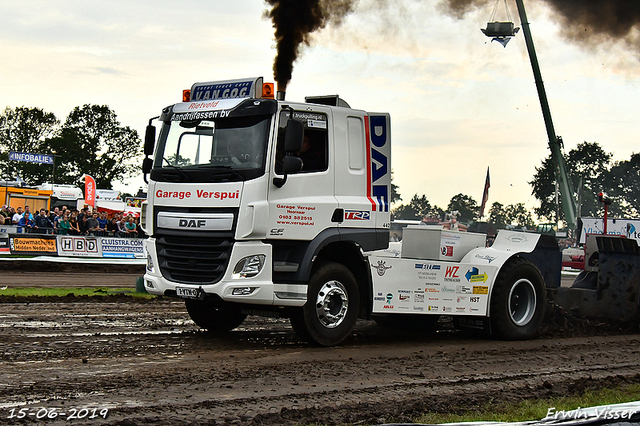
459,103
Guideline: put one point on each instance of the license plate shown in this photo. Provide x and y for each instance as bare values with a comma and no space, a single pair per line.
188,293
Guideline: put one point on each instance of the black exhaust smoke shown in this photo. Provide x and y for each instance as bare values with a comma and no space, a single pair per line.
294,21
586,21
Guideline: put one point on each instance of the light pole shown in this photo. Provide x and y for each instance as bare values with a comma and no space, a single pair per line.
53,168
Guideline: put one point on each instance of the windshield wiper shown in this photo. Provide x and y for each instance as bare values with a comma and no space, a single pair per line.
182,173
220,169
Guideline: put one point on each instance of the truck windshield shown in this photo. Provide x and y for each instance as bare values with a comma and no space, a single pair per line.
231,148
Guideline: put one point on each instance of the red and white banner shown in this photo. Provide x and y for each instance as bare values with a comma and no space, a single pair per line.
89,191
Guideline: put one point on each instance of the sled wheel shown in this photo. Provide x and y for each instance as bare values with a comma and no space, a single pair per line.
517,301
215,316
332,306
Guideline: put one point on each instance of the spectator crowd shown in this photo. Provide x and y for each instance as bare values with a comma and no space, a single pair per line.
72,222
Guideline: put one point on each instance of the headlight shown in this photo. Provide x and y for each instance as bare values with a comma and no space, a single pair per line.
150,267
249,266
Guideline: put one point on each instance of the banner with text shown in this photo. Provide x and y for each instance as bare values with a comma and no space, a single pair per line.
122,247
69,245
33,245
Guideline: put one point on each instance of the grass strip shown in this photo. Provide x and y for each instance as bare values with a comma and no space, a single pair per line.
66,291
535,409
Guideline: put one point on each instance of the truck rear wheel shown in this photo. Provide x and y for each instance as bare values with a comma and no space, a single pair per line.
517,301
215,316
332,306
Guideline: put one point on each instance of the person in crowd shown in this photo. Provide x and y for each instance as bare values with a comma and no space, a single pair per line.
28,210
93,224
64,225
4,215
84,212
103,220
139,230
59,217
54,217
73,223
122,227
112,227
83,224
17,216
54,213
42,224
26,222
130,225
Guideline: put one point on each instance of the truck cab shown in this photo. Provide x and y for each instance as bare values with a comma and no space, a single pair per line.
251,199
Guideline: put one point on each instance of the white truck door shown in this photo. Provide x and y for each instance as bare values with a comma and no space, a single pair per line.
303,207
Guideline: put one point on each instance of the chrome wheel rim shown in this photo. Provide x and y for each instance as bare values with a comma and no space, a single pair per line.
332,304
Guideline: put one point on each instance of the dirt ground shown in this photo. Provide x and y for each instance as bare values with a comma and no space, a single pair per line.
144,362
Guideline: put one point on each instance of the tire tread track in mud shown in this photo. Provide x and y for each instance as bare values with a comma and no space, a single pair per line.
149,364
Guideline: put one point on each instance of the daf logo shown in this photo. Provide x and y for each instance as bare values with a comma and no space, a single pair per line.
192,223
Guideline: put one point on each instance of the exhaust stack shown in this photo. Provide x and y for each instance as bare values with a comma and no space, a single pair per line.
280,95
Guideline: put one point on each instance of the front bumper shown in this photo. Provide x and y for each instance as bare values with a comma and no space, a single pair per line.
259,289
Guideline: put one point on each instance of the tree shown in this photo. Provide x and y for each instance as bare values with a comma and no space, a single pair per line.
26,130
395,195
94,143
497,215
588,165
518,216
417,209
623,185
465,205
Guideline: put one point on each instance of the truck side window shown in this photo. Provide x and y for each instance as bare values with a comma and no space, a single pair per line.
314,153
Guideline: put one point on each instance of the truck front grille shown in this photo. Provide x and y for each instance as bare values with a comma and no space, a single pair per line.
193,259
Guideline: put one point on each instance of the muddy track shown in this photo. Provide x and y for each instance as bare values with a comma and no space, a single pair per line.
146,362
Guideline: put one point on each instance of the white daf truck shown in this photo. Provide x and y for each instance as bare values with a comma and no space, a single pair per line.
263,206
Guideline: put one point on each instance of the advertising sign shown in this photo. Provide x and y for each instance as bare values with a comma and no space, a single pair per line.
122,247
30,158
89,191
629,228
78,246
28,244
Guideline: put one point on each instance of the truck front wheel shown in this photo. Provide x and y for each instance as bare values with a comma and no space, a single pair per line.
215,316
332,306
517,301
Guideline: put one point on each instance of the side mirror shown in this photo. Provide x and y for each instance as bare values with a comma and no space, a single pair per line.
293,136
149,139
147,163
290,164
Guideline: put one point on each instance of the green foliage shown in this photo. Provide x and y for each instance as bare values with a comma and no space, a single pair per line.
90,141
95,143
518,216
417,209
395,194
25,129
497,215
591,173
623,185
466,206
